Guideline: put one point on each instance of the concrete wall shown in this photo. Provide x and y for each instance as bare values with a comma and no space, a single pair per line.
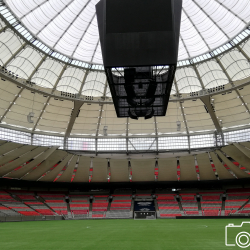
29,218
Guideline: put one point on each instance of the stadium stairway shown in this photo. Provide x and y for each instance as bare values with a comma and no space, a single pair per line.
199,207
42,207
132,208
223,208
90,210
181,209
156,209
45,209
109,205
69,212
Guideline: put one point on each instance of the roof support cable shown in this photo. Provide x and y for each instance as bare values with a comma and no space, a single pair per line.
52,19
221,30
72,22
185,46
231,11
98,42
86,30
195,27
32,10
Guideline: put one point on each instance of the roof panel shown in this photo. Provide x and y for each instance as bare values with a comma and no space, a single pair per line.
70,27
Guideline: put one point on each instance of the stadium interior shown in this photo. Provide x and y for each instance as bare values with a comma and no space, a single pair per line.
83,139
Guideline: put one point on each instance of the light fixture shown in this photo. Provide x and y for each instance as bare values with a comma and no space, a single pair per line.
30,116
178,123
105,130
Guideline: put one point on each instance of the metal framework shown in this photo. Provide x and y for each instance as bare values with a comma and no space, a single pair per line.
22,30
179,98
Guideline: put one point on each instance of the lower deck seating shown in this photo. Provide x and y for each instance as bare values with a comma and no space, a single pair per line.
165,197
143,196
23,195
98,215
20,208
171,215
168,208
245,210
29,213
100,206
6,199
79,206
187,196
211,208
234,204
120,207
56,203
229,211
235,200
40,208
26,203
238,196
191,213
14,206
211,196
190,208
8,212
211,212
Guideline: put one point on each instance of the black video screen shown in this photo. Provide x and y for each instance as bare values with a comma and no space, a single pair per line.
127,16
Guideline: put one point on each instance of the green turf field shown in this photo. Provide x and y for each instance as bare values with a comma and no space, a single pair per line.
117,234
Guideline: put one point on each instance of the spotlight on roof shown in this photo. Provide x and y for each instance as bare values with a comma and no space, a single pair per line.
30,116
139,41
178,123
105,130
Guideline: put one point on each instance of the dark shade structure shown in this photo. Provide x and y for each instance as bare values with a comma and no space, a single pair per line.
139,41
